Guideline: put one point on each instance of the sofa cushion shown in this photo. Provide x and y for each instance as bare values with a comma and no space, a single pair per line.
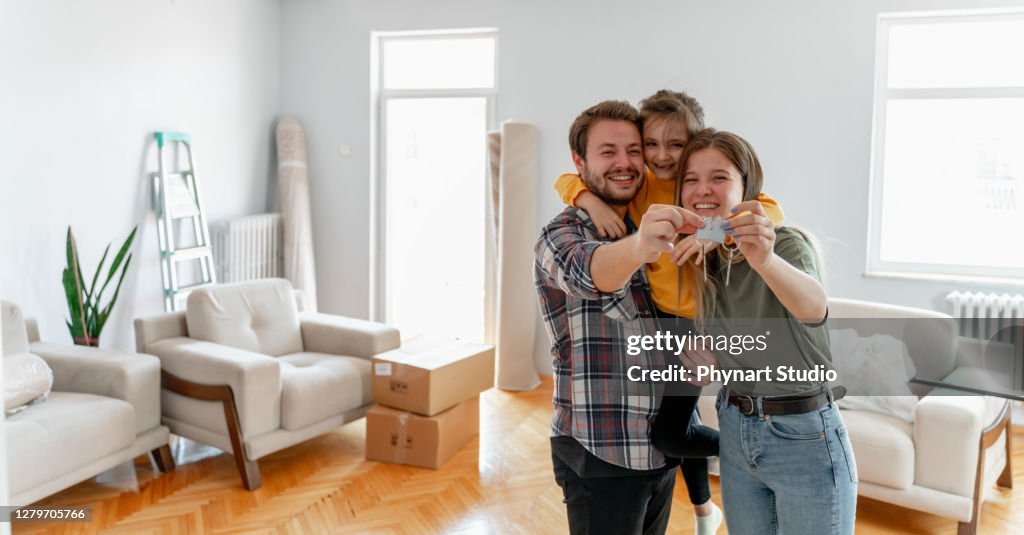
69,430
883,446
317,386
26,378
15,337
258,316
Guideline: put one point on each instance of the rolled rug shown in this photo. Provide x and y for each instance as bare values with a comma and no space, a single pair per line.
293,179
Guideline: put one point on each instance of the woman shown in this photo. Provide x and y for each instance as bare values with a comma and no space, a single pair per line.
786,461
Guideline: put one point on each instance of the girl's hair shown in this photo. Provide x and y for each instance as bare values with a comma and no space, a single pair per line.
741,154
674,106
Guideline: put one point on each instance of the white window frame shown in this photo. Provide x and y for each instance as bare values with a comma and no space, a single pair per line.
378,173
876,267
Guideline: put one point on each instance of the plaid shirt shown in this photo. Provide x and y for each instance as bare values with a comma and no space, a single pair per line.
594,401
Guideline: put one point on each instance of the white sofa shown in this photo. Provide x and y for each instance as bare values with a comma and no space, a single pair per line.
932,464
103,410
245,371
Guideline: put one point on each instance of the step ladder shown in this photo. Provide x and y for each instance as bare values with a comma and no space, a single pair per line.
178,204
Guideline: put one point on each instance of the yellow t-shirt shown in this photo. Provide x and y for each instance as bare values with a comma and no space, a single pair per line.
669,296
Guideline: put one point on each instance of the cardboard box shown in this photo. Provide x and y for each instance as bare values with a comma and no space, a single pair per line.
395,436
428,376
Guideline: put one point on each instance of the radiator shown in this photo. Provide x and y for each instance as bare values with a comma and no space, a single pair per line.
985,316
247,248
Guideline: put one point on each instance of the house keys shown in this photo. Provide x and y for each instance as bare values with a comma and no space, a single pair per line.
713,231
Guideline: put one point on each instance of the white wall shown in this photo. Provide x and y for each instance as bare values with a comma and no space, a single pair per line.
793,76
86,82
5,491
84,85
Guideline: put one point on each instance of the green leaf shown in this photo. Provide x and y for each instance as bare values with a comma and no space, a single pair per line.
74,305
91,320
101,320
70,241
96,275
117,291
72,279
80,282
117,260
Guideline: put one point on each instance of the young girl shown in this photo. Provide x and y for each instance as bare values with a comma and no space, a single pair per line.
669,118
786,462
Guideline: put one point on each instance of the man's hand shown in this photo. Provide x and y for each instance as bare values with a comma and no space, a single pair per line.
659,227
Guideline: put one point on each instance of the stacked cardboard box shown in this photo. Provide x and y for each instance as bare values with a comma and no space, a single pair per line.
428,405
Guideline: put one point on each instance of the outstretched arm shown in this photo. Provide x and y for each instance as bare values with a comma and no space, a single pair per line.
614,263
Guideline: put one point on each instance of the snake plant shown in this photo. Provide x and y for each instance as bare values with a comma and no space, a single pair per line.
88,315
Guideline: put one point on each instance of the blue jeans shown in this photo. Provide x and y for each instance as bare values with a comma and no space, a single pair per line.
790,475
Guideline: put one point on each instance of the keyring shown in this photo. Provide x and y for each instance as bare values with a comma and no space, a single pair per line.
703,258
728,262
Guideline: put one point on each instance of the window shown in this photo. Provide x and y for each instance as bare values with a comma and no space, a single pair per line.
434,103
947,190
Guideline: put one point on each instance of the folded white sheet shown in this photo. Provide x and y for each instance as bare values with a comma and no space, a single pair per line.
875,368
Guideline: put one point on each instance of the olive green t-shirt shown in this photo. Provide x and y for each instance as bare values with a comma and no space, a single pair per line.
748,307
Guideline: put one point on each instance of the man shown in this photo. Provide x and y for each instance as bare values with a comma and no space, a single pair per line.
594,294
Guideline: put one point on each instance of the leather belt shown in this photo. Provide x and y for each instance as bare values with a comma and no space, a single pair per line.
782,405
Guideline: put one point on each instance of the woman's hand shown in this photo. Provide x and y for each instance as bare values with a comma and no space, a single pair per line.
694,359
609,224
754,233
689,246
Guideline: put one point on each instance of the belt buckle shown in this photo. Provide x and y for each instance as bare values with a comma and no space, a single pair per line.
752,407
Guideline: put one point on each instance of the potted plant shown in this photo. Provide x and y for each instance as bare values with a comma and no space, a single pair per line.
84,304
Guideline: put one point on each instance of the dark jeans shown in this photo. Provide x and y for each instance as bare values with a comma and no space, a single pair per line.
677,433
621,505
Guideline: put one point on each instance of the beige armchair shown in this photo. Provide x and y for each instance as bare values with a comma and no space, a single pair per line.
245,371
103,410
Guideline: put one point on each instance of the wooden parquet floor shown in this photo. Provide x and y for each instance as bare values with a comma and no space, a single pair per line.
501,482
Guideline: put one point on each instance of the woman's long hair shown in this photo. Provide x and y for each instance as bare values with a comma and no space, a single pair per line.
741,154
